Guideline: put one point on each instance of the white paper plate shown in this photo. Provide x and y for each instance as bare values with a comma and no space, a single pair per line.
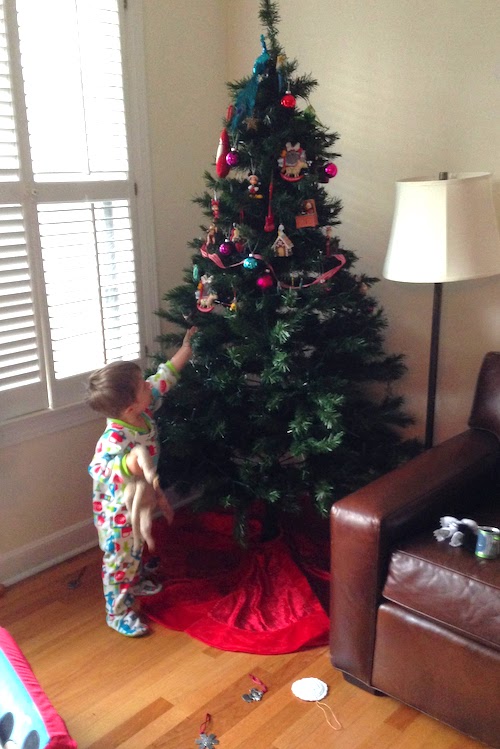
310,689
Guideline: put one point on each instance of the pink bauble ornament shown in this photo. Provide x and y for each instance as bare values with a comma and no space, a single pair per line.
227,247
288,100
330,169
233,157
265,282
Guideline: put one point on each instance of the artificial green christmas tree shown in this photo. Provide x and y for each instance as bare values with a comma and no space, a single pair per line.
289,393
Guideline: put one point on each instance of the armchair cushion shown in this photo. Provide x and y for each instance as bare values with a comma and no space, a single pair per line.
447,585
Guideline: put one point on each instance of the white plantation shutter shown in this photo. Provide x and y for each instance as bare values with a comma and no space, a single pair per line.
69,297
89,272
19,342
74,89
21,385
9,157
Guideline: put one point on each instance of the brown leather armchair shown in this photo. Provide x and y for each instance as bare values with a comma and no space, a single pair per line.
412,617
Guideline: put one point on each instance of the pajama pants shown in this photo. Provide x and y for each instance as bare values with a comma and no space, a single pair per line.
120,569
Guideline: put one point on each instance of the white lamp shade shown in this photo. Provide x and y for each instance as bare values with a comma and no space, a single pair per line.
443,230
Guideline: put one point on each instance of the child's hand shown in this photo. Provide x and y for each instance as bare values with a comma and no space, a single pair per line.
189,334
133,465
184,353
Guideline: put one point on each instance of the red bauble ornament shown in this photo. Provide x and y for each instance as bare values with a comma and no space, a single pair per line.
330,170
265,281
288,100
233,157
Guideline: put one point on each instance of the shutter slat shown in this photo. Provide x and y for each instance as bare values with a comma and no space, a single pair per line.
90,278
19,364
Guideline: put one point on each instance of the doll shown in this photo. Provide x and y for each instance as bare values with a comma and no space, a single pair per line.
140,497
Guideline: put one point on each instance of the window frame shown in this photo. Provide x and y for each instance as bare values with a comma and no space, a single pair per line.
51,420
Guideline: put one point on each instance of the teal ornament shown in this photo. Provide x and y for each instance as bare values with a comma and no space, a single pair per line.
250,263
245,99
262,61
196,273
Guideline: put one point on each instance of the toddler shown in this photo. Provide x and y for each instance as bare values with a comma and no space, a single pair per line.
120,392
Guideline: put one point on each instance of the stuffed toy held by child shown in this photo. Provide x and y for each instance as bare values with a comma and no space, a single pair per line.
140,498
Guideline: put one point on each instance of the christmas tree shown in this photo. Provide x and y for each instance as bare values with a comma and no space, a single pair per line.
289,393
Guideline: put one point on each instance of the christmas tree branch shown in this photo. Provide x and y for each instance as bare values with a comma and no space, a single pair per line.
269,18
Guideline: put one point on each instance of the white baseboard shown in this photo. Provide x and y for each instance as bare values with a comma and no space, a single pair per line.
37,556
40,555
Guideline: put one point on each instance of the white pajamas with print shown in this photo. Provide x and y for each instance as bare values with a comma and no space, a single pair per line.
120,567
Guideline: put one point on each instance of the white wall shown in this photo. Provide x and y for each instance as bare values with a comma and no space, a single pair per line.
412,87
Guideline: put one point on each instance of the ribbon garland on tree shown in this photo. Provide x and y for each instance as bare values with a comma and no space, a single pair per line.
320,279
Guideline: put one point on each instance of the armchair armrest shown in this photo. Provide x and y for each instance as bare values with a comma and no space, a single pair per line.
366,524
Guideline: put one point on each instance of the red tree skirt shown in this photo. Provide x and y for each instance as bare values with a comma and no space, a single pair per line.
254,600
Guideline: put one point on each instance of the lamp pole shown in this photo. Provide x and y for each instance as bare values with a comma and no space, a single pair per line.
433,357
433,365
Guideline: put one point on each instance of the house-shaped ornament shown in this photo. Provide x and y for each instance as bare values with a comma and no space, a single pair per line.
282,246
307,216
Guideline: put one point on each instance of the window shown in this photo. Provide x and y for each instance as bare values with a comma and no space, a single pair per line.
74,292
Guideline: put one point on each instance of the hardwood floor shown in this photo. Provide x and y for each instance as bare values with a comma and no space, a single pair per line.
155,692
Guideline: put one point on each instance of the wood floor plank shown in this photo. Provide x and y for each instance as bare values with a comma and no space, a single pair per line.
130,727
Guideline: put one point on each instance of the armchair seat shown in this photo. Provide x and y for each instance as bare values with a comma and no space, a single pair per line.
413,617
448,585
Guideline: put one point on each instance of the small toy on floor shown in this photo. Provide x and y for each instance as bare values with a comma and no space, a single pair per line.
460,532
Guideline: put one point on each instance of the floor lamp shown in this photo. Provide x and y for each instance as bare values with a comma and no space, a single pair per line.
443,230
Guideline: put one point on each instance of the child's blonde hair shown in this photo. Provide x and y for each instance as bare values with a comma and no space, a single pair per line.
113,388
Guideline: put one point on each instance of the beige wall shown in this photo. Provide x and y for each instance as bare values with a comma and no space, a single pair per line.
185,62
411,86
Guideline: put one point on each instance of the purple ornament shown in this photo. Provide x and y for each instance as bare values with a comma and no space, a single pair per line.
233,157
330,169
227,247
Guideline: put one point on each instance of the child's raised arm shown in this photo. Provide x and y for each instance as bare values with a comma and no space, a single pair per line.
185,352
